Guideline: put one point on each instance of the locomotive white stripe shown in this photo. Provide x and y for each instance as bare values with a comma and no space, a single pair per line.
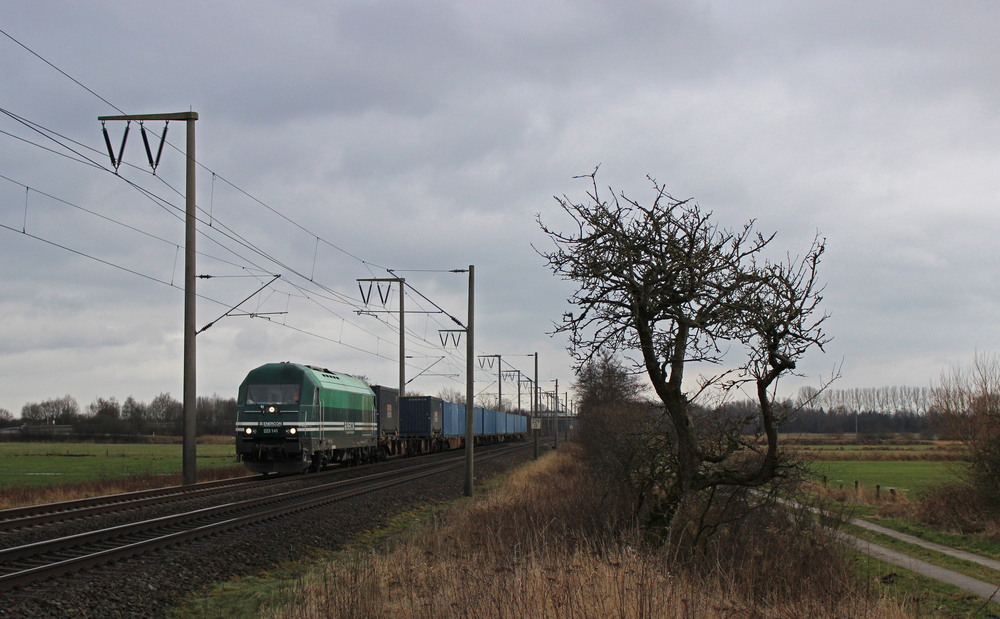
310,425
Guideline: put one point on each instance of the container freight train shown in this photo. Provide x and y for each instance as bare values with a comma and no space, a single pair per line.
293,417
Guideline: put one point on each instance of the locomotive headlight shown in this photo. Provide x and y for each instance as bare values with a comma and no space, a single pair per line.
271,409
292,430
248,430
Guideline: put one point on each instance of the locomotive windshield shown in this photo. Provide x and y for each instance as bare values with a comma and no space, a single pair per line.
272,394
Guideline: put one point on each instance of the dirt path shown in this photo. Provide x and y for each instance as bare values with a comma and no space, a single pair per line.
983,589
966,583
910,539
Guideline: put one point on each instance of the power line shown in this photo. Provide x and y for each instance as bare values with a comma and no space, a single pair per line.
227,232
201,165
36,55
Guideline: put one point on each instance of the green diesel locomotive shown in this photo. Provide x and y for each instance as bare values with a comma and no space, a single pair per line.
293,417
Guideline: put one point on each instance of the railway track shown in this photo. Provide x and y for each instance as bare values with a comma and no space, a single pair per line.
34,515
29,563
48,513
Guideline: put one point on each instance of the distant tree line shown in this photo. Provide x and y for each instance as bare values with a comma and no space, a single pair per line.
867,424
107,417
871,413
888,400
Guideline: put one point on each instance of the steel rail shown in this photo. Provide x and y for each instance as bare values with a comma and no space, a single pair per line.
88,537
31,515
294,501
46,513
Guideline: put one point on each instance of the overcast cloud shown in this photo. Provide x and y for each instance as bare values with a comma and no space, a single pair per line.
428,135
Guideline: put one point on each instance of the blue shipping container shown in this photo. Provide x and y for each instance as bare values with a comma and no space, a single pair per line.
454,419
489,422
477,421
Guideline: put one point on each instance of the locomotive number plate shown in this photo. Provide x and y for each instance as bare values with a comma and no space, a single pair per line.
348,426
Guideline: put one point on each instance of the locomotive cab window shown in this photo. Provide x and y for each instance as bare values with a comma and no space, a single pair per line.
272,394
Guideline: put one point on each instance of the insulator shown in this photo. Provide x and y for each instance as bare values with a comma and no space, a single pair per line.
145,142
163,139
111,151
121,151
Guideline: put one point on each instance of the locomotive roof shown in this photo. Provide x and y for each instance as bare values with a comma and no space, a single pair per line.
328,379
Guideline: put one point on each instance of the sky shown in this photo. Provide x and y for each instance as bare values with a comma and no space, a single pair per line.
338,140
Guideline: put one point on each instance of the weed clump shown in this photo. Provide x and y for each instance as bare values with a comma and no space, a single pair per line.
960,508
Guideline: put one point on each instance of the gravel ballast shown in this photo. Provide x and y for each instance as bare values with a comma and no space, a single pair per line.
149,585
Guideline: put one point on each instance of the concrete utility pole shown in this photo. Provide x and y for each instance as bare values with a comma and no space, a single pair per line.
402,325
470,383
189,453
555,435
518,389
534,407
566,408
499,378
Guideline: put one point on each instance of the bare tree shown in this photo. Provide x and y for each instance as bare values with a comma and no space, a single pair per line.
665,282
135,413
62,410
614,417
450,394
969,399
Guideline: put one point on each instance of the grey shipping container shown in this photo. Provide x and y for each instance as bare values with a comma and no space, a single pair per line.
420,415
387,409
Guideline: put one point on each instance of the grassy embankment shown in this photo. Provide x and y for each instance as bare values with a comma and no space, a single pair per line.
542,543
34,473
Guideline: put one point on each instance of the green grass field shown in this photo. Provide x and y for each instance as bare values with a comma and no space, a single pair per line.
25,465
909,476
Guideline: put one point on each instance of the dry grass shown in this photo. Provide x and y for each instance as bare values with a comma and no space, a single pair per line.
21,497
939,453
864,495
852,439
958,508
544,544
880,455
